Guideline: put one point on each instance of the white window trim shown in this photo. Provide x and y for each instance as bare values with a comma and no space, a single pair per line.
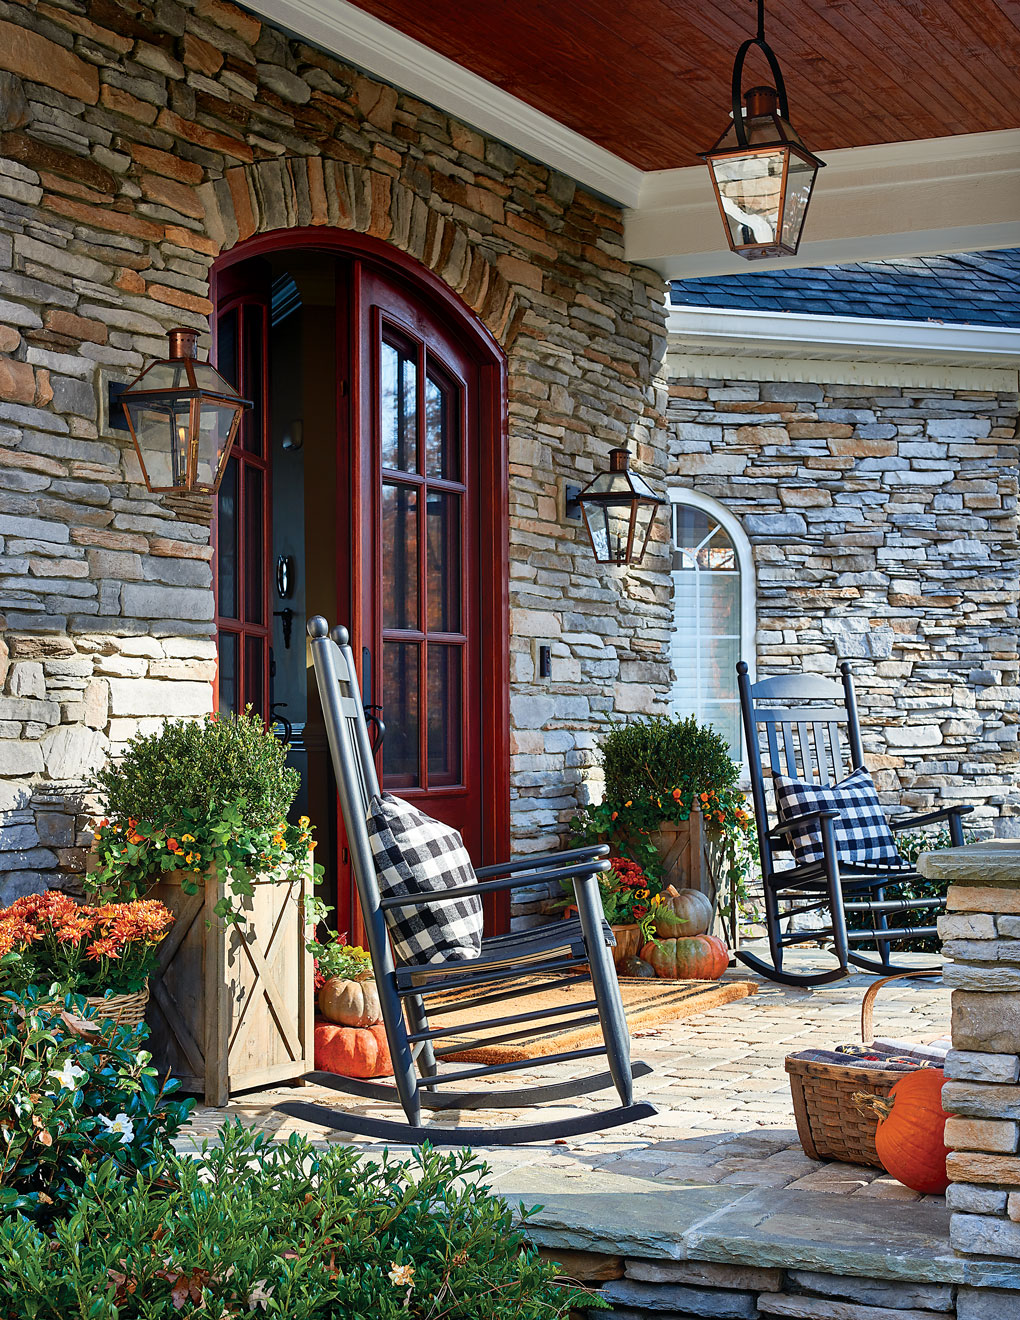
745,560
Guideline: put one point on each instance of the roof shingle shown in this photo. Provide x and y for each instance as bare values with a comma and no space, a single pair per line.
966,288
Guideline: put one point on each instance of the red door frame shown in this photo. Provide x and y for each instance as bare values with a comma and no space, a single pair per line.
493,492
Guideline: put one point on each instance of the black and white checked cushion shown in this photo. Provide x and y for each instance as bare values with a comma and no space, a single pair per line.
861,829
415,854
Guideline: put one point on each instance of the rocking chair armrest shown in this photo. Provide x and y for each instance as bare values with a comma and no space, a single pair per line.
594,867
798,822
539,860
899,823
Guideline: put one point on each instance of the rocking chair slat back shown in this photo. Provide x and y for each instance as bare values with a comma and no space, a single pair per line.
582,943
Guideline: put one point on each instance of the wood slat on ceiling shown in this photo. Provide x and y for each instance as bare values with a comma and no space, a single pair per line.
649,79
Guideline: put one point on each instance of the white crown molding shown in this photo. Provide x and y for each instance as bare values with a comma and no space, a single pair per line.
387,53
729,330
726,344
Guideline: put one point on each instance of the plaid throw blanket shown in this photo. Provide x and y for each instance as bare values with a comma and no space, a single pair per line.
868,1056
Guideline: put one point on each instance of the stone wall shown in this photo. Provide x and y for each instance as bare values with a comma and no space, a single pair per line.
646,1289
137,141
981,940
884,528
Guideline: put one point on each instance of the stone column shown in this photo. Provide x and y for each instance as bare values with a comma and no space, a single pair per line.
981,940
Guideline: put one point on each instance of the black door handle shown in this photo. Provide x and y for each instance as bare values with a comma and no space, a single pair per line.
376,728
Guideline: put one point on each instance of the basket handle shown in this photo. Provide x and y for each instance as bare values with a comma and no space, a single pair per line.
868,1006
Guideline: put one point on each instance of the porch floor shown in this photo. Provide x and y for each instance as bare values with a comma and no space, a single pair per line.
722,1158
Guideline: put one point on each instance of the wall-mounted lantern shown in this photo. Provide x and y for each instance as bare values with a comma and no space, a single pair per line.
762,172
619,508
183,417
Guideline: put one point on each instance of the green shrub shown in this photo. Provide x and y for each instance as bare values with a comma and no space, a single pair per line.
657,755
73,1094
286,1231
191,769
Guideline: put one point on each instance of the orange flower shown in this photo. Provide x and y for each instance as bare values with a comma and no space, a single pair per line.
677,795
173,845
107,948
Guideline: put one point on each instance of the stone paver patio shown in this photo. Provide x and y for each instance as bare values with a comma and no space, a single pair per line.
725,1112
718,1176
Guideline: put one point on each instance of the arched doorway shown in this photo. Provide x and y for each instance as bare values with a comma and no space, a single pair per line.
367,484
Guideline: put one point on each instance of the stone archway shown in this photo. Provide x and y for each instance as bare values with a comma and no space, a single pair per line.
298,192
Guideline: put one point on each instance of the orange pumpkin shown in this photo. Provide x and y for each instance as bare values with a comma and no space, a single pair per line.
911,1131
352,1003
698,958
682,913
352,1051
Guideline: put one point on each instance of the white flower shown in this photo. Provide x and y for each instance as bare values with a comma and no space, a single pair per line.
259,1295
69,1077
401,1276
120,1126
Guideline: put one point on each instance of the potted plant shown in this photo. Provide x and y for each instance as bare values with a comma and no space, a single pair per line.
344,983
671,802
105,954
197,818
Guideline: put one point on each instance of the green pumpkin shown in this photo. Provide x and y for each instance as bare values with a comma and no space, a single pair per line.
682,914
635,966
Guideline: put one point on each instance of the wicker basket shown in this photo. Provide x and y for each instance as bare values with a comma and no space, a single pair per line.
125,1010
830,1124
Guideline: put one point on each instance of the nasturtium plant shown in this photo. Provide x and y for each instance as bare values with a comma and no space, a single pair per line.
75,1093
250,1227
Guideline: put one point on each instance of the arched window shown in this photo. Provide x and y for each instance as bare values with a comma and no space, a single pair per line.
713,612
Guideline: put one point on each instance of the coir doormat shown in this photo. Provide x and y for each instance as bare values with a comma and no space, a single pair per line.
646,1003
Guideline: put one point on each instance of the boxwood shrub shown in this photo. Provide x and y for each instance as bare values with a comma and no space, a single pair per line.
252,1227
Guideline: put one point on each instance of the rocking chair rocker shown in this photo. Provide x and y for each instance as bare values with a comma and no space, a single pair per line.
563,951
800,717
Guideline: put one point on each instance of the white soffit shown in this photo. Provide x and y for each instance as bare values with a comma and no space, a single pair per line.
727,343
952,194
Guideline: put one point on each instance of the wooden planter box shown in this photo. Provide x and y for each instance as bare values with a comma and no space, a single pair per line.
232,1006
691,859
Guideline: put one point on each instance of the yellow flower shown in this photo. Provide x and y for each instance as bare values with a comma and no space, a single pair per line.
304,822
641,893
401,1276
187,838
628,804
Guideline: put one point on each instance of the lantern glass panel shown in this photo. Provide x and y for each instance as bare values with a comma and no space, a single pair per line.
644,516
215,433
167,374
800,180
209,379
161,429
610,529
750,188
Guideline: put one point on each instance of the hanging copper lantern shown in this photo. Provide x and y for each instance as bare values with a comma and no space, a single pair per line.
183,417
619,509
762,172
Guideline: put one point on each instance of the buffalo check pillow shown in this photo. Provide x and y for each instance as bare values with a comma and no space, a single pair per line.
415,854
861,829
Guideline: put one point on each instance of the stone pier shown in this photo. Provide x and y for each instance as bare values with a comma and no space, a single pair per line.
981,935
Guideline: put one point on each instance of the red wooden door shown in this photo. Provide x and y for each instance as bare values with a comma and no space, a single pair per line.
415,525
242,527
419,524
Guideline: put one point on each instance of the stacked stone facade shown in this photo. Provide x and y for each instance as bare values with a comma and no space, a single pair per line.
884,531
139,141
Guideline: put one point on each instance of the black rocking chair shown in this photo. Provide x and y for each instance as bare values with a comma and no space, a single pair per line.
801,716
560,954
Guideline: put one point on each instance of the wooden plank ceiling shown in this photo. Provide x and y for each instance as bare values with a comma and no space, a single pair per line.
649,79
